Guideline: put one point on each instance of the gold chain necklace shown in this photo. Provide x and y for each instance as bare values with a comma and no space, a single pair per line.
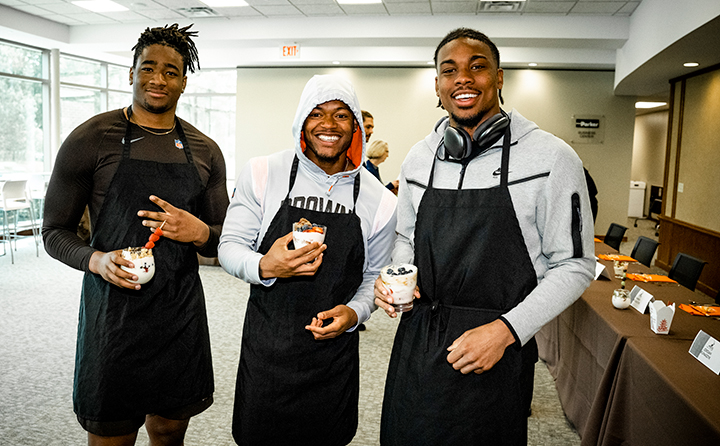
154,133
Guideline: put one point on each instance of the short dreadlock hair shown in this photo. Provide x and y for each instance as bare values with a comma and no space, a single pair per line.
468,33
174,37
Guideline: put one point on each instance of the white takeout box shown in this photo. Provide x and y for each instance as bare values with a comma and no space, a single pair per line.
661,316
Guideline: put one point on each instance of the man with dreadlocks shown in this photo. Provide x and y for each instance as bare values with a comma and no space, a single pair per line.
143,351
495,214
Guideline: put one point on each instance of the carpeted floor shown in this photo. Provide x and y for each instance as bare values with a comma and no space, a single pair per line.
39,300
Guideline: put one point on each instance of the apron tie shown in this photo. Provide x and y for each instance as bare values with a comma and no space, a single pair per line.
437,322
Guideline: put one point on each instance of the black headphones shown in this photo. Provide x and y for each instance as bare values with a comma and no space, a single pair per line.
458,145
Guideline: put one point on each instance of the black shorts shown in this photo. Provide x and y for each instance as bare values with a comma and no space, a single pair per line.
125,427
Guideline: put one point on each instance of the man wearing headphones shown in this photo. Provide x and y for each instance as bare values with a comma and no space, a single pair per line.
495,214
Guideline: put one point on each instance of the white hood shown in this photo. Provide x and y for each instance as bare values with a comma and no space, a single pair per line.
325,88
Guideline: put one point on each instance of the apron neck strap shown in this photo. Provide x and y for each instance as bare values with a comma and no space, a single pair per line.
293,176
180,143
504,164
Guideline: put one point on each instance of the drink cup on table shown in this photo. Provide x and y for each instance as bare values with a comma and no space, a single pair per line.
400,281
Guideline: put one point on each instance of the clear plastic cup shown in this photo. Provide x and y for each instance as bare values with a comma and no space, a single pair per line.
400,281
304,234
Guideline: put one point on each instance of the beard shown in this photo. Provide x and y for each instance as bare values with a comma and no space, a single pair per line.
324,158
469,122
157,109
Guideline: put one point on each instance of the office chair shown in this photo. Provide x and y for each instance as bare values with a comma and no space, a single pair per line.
686,270
614,235
644,250
16,199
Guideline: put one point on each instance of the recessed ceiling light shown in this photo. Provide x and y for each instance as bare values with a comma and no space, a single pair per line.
358,2
532,64
690,64
643,104
100,6
225,3
336,62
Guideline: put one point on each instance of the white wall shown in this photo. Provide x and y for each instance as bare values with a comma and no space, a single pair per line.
649,147
403,102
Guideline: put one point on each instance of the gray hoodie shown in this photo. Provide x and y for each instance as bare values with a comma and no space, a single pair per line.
544,173
263,184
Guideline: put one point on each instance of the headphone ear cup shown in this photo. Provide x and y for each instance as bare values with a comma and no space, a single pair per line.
458,143
491,130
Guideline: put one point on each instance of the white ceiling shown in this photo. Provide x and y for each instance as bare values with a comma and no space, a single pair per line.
64,11
555,34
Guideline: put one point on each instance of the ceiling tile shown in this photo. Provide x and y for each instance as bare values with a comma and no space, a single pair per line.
320,10
90,18
372,9
313,2
254,3
43,2
244,11
175,4
408,8
158,14
63,19
454,8
64,8
628,9
604,7
134,5
278,10
126,16
35,10
549,7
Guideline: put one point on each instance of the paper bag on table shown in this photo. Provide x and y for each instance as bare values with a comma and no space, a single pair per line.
661,316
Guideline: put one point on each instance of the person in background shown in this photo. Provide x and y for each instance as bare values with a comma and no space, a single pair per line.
495,214
368,124
143,351
376,154
298,378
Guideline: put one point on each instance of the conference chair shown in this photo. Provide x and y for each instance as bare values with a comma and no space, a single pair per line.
614,235
644,250
686,270
15,199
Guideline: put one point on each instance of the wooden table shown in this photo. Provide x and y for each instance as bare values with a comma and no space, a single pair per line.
585,346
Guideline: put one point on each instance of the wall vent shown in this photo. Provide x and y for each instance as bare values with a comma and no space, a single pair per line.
501,6
199,11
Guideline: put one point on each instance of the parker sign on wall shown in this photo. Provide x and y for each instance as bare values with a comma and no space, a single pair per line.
588,129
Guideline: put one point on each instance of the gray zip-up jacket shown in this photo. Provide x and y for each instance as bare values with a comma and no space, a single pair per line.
545,179
263,184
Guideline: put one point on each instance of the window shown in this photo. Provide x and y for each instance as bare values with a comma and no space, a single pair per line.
23,87
209,104
89,87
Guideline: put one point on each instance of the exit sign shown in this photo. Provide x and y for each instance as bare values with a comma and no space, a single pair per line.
290,51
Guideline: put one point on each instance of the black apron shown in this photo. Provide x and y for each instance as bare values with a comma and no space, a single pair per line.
292,389
146,351
473,266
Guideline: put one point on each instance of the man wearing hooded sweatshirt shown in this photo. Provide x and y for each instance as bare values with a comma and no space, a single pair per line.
298,378
495,214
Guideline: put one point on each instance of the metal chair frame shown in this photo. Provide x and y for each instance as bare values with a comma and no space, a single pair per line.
15,198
